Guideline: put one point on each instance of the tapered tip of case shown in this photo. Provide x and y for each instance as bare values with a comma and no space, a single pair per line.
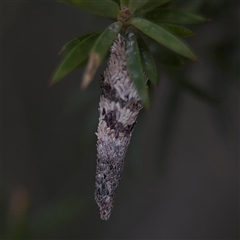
105,214
105,204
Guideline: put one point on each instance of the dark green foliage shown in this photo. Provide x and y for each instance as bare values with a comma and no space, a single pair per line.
152,18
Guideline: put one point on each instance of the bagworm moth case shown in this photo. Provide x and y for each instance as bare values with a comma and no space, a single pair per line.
119,107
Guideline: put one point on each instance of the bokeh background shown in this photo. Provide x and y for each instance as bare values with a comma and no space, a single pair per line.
181,175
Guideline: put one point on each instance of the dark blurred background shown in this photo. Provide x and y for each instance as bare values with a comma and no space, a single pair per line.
181,175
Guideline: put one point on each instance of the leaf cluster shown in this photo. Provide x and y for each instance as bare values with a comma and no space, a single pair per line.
134,19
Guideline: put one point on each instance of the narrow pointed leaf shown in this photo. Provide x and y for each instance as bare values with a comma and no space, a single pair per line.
135,4
175,16
149,6
74,58
162,36
83,63
177,30
73,43
99,51
148,63
134,66
105,8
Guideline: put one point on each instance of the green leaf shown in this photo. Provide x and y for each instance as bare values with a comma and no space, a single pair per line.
135,4
99,51
164,5
73,43
134,66
162,36
105,8
177,30
150,5
116,1
148,63
74,58
82,64
124,3
105,40
175,16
